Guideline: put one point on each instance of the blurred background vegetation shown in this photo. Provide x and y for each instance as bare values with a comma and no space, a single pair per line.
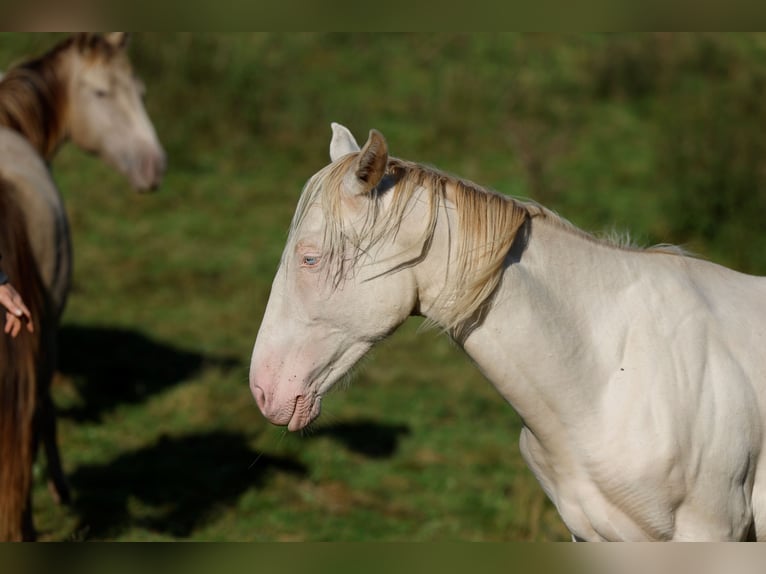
660,135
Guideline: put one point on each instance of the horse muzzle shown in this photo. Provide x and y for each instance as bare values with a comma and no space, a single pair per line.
295,412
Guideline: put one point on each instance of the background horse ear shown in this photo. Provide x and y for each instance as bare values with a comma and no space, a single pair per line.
83,40
95,42
117,39
372,161
342,142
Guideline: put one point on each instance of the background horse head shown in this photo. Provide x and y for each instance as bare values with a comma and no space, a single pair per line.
85,90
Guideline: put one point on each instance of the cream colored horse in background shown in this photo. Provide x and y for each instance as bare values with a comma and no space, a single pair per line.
83,90
640,375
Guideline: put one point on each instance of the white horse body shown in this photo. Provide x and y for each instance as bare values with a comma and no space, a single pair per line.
640,381
639,375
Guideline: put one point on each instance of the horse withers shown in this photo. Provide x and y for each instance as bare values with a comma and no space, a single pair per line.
638,373
83,90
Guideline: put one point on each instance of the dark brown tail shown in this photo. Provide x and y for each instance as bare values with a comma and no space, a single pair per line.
22,364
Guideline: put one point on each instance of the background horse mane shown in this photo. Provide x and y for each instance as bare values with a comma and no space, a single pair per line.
33,92
22,361
46,101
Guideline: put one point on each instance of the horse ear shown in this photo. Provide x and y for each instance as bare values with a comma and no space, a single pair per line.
342,142
117,39
371,165
83,40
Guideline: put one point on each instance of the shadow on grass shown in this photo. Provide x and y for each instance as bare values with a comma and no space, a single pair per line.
366,437
112,366
173,486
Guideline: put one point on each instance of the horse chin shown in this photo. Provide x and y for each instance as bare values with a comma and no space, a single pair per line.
306,411
143,181
145,187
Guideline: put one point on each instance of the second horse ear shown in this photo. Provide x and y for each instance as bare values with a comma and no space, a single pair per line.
342,143
371,166
117,39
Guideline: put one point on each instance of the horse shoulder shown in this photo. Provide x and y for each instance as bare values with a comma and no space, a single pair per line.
681,414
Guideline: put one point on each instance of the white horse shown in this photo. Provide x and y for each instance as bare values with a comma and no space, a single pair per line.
640,375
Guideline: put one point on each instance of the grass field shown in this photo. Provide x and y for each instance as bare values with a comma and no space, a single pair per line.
657,134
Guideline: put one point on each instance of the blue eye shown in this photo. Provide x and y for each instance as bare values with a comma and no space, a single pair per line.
310,260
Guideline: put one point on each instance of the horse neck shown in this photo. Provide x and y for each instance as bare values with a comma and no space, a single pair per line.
537,337
33,101
461,266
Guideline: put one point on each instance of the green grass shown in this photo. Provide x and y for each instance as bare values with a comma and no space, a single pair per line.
160,436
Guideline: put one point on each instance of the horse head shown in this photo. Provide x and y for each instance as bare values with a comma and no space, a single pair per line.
106,114
336,291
